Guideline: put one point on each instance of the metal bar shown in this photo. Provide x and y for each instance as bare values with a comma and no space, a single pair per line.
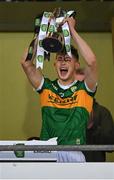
56,147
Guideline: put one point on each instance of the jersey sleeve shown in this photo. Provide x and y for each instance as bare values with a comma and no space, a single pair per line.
45,82
89,91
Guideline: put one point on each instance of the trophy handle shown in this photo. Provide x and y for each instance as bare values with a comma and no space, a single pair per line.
56,12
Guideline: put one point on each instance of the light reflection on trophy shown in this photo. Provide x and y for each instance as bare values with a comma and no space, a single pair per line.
54,41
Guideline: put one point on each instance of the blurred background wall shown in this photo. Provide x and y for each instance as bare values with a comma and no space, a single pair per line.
20,116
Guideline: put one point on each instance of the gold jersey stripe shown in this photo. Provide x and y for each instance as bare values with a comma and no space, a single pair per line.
80,98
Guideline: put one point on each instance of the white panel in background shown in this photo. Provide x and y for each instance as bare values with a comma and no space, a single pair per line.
56,170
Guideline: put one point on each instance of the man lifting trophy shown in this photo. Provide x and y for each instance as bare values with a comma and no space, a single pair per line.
66,102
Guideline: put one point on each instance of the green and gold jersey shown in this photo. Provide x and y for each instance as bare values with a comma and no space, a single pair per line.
65,113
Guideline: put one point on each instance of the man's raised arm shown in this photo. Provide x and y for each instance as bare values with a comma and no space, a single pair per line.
34,75
87,54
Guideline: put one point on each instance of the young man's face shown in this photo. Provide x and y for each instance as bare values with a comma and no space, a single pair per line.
66,67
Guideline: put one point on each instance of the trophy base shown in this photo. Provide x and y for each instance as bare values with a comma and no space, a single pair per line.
52,44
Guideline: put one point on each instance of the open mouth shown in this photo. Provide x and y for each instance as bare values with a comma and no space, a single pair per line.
63,71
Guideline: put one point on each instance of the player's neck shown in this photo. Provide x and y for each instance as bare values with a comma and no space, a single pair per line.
66,83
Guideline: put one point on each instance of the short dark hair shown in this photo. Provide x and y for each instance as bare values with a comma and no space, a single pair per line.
74,52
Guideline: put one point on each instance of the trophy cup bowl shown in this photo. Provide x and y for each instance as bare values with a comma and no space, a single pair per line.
53,42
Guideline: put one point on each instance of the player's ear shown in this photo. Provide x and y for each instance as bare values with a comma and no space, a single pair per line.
77,65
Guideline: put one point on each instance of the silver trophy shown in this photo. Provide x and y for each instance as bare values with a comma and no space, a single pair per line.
54,41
